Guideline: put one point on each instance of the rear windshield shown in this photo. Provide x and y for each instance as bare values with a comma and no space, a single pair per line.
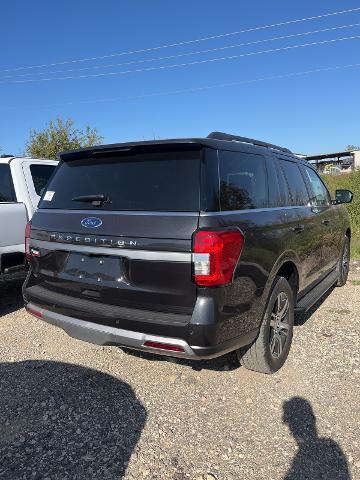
153,181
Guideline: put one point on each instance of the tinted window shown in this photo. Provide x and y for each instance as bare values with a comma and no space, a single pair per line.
210,181
243,181
151,181
276,184
320,195
298,194
40,175
7,192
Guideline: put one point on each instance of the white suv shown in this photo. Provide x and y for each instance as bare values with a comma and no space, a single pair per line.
21,183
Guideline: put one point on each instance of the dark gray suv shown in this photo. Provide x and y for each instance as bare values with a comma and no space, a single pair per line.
191,248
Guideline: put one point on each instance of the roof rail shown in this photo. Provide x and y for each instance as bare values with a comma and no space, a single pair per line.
6,155
235,138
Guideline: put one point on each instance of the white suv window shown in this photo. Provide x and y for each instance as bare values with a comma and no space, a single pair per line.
7,192
40,175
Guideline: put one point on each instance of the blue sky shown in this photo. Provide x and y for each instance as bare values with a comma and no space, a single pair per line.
310,113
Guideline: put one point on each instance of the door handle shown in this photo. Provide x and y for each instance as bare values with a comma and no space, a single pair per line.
298,228
325,222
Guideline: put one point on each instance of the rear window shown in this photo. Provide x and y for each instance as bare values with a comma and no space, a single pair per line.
151,181
7,192
40,175
243,181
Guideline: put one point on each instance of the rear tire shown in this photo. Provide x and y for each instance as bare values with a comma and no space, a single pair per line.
344,263
268,352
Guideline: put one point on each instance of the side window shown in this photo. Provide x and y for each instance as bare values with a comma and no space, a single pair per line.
298,194
243,181
40,175
209,180
320,195
275,184
7,192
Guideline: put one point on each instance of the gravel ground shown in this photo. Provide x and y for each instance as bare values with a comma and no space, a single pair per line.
70,410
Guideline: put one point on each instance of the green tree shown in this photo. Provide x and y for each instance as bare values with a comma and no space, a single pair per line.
350,148
60,135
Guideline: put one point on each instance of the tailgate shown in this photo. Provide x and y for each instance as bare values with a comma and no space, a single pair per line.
149,269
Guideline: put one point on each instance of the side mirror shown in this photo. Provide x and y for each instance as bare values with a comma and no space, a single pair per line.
343,196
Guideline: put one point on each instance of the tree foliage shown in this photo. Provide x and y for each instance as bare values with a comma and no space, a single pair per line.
349,181
351,148
60,135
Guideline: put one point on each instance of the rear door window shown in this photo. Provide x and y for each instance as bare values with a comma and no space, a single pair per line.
40,175
297,191
154,181
243,181
7,192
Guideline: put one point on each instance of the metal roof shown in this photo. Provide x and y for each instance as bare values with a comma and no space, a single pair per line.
322,156
9,159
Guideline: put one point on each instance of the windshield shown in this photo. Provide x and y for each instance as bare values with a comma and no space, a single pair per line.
166,181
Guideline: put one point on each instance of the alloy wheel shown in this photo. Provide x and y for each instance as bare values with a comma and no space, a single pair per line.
279,325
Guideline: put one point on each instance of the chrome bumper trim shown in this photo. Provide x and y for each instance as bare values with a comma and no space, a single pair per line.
118,252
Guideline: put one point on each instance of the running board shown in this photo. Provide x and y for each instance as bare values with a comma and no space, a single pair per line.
308,300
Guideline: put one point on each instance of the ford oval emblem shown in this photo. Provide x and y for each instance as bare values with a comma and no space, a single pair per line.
91,222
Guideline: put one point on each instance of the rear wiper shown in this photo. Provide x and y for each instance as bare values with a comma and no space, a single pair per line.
96,200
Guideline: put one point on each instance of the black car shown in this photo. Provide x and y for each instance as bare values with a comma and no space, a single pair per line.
190,248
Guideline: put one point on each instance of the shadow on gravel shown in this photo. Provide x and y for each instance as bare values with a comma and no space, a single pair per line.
62,421
302,319
317,458
226,362
10,297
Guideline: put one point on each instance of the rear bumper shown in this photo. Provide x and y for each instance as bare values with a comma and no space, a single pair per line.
106,335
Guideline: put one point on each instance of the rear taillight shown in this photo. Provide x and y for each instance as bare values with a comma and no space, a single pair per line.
27,241
216,253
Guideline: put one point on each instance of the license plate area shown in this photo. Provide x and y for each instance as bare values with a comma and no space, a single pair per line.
93,269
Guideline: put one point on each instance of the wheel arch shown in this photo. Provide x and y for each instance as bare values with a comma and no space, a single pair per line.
289,267
289,271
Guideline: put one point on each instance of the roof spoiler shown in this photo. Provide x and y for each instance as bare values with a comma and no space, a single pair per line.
124,148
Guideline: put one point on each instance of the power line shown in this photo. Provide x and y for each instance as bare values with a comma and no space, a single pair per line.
187,42
233,84
199,52
178,65
196,89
